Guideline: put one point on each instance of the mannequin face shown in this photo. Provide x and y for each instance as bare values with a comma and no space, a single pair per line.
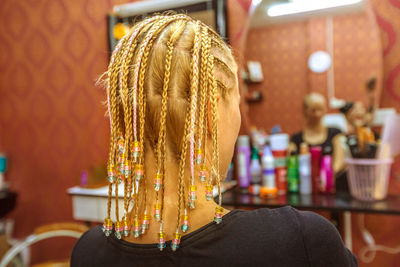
356,116
315,110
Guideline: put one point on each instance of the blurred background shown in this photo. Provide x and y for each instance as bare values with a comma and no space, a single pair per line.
54,133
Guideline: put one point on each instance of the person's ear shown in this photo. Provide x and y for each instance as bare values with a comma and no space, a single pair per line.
209,118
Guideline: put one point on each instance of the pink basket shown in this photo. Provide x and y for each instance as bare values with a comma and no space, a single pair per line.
368,178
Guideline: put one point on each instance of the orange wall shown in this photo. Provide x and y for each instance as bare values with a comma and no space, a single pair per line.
283,51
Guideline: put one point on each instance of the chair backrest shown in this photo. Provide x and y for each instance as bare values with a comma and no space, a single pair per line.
335,120
74,230
381,114
391,133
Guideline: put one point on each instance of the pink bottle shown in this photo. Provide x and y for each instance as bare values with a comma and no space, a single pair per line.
326,172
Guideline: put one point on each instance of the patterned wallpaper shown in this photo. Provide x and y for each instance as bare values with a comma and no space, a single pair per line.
387,13
283,51
51,114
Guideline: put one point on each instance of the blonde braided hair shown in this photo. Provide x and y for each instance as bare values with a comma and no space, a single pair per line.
176,60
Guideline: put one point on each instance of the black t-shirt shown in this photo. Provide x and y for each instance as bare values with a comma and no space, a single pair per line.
297,138
263,237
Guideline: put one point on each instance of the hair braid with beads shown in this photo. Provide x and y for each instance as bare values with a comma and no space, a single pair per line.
185,65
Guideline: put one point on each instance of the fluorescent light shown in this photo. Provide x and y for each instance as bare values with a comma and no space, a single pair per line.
256,2
306,6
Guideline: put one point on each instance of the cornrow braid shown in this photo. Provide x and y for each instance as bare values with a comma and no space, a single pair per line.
202,137
122,143
161,145
161,149
125,97
194,87
215,158
114,125
142,67
210,78
163,113
213,100
142,49
182,161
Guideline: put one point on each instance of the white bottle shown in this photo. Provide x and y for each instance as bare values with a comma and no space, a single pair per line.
268,188
255,173
305,170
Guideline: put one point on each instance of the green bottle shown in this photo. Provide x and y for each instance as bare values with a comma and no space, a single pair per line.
293,173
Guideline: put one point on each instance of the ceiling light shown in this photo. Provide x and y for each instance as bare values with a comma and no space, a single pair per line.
306,6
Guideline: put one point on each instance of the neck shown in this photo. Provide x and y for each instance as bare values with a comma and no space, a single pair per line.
315,126
198,217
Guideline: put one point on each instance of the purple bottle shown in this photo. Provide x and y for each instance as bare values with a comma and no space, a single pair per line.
243,162
326,172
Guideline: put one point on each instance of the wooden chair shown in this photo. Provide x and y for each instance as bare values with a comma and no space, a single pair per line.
43,232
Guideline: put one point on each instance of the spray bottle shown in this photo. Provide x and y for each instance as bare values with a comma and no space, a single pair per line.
293,173
243,162
305,170
279,145
255,173
268,188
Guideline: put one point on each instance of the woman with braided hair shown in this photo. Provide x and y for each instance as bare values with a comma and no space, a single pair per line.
173,104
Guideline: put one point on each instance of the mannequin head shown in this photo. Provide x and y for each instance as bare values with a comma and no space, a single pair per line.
314,108
356,115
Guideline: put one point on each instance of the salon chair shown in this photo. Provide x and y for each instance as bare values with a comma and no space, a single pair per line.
74,230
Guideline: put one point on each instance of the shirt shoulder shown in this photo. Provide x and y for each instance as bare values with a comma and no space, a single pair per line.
334,131
90,243
316,238
297,138
322,241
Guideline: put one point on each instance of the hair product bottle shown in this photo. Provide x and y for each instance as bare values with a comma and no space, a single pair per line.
243,162
305,170
327,179
255,173
3,168
268,188
279,145
293,173
315,152
230,174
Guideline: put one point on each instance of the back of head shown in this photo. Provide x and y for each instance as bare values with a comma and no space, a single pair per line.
163,76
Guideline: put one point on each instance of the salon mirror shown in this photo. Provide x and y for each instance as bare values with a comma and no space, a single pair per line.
302,46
